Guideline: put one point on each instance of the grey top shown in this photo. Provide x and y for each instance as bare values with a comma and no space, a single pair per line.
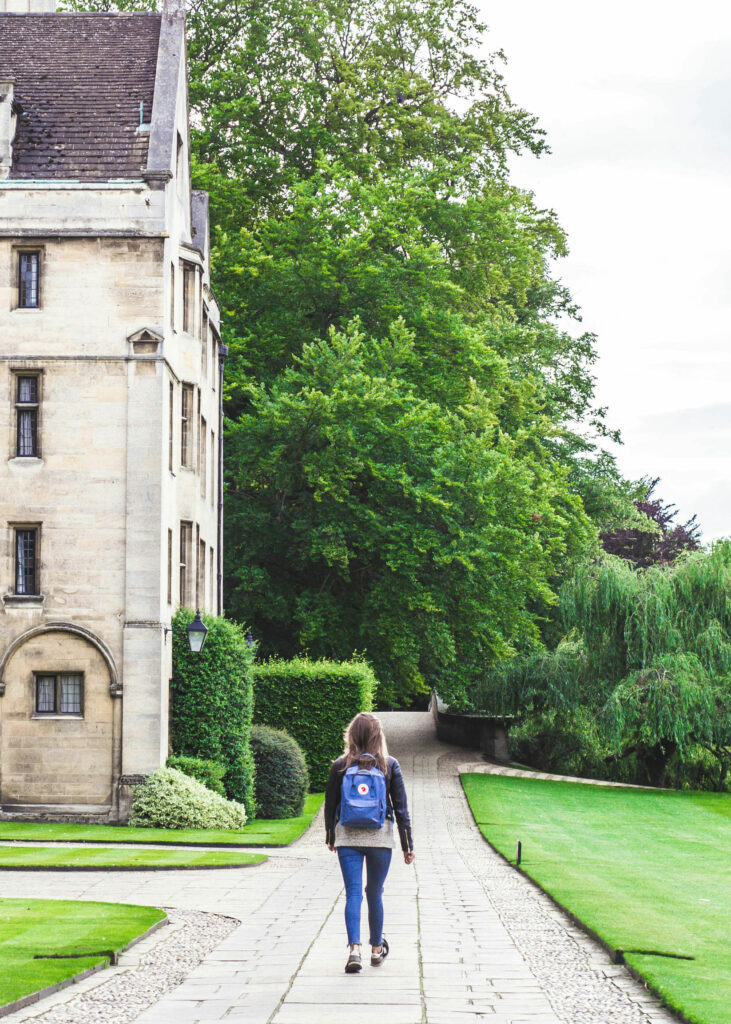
383,836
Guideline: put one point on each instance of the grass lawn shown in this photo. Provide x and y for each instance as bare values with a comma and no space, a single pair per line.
82,934
49,857
260,832
648,871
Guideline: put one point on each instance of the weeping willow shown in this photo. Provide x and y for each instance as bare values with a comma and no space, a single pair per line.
647,653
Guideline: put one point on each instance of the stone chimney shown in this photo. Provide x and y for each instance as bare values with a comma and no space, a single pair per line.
27,6
8,121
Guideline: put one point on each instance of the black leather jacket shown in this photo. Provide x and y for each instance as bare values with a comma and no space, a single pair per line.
396,795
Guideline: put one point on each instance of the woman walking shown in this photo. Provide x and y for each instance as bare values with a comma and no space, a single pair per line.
364,792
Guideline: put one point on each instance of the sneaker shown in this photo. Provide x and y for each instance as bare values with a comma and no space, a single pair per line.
354,963
380,956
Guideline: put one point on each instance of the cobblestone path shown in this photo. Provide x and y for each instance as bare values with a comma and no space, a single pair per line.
471,940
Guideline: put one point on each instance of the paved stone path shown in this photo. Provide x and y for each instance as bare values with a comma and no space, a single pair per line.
472,940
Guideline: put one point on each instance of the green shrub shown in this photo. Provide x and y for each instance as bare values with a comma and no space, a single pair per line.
282,779
642,673
212,701
313,701
569,742
210,773
169,799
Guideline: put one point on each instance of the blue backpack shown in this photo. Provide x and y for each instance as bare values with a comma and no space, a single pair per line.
363,802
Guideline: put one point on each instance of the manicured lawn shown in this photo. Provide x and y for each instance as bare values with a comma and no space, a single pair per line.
122,857
82,934
259,832
648,871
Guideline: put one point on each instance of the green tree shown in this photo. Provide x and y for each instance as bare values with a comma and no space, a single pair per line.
356,155
379,520
642,672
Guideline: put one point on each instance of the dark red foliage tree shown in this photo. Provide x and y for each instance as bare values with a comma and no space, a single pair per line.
644,548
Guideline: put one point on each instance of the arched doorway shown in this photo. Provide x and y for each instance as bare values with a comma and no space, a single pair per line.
58,723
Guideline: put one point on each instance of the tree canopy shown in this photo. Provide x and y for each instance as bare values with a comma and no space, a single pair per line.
656,541
412,436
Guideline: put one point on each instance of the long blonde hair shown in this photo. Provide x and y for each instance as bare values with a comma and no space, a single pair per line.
364,735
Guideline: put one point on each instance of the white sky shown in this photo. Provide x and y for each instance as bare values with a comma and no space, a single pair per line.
636,100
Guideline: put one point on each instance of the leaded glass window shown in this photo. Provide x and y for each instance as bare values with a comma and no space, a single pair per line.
60,694
186,428
26,407
26,551
29,265
45,695
70,694
186,544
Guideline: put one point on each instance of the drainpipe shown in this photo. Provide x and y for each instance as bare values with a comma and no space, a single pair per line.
222,353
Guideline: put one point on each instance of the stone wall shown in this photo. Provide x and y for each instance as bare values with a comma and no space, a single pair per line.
58,760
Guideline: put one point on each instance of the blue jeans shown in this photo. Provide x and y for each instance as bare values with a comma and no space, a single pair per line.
378,861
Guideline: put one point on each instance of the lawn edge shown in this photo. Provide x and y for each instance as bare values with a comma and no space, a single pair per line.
42,993
164,842
616,955
130,867
152,842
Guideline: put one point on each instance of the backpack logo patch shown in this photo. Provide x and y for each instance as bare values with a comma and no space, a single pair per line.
362,789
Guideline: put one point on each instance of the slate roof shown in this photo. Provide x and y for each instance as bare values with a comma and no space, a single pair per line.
80,79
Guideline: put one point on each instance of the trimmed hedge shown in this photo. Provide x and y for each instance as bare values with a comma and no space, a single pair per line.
210,773
212,701
169,799
282,779
313,701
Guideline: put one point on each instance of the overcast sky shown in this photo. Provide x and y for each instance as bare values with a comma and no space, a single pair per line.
636,100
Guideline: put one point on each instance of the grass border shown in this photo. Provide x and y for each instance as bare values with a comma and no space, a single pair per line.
130,867
141,842
185,843
34,997
616,955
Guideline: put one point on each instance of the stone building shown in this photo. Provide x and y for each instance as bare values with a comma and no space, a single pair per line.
110,402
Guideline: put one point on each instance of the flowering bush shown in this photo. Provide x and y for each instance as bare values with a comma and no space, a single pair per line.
170,799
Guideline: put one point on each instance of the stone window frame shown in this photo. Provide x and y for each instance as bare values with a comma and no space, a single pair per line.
171,428
191,278
187,427
15,373
215,345
212,574
15,250
56,713
200,589
170,567
204,339
14,528
172,297
198,430
186,560
203,455
213,467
